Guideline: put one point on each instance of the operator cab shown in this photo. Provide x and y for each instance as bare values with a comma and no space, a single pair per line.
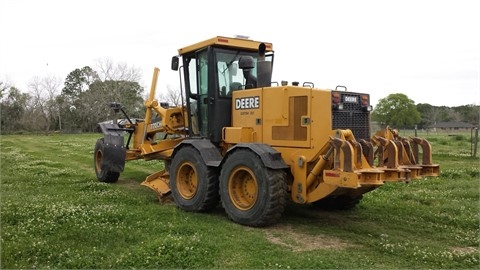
210,71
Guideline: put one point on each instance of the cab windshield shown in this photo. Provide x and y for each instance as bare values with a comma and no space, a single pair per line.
229,76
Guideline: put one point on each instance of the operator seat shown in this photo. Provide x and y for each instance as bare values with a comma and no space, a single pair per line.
234,86
247,63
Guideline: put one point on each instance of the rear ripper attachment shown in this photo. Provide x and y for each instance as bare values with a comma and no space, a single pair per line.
393,151
352,168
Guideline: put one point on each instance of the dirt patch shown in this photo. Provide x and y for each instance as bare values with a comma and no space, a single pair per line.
298,240
462,251
129,183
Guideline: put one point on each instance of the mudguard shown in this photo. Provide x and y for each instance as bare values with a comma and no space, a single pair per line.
270,157
114,154
114,151
208,151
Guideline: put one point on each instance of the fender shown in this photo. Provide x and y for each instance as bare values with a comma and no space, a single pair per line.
270,157
114,151
208,151
114,155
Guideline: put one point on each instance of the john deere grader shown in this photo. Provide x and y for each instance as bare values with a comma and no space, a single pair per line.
253,144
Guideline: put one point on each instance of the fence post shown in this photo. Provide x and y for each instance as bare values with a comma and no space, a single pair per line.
475,143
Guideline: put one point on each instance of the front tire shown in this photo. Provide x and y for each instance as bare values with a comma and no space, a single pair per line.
103,174
194,185
251,193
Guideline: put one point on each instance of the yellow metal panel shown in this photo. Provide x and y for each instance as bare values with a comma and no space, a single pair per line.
247,106
133,154
161,149
321,117
238,134
280,115
227,42
320,192
299,187
341,179
138,135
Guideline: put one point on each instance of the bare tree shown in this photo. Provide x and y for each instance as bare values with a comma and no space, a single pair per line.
3,88
173,96
110,71
44,110
5,84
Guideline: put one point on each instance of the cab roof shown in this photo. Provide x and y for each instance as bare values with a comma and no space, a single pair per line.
238,43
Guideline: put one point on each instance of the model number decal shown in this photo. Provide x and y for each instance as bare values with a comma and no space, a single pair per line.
247,103
350,99
155,125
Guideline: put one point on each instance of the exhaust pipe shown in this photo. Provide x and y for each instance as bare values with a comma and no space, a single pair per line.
264,68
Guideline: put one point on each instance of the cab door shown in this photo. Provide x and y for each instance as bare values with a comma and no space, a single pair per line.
210,78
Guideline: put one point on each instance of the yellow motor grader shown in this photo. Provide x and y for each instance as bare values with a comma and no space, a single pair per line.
252,144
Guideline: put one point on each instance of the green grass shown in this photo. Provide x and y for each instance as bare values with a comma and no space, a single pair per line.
55,214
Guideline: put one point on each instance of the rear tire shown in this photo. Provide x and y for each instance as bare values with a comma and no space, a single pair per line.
252,194
102,174
194,185
342,202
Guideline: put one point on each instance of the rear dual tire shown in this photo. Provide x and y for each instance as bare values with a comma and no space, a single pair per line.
194,185
342,202
251,193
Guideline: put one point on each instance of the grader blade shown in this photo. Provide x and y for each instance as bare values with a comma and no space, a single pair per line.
159,182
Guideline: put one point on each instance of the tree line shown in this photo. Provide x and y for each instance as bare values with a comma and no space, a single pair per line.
77,105
79,102
399,111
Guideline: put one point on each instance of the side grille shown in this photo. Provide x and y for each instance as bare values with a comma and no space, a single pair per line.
352,117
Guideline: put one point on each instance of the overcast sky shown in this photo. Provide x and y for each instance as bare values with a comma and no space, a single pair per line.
428,50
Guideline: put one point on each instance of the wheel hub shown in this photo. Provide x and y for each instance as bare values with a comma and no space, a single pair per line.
243,188
187,180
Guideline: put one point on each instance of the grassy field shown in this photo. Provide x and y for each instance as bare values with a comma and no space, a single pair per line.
55,214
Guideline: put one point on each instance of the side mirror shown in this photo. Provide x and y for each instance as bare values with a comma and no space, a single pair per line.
175,61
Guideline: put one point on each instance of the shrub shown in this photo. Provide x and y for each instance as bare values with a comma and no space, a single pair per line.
459,137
